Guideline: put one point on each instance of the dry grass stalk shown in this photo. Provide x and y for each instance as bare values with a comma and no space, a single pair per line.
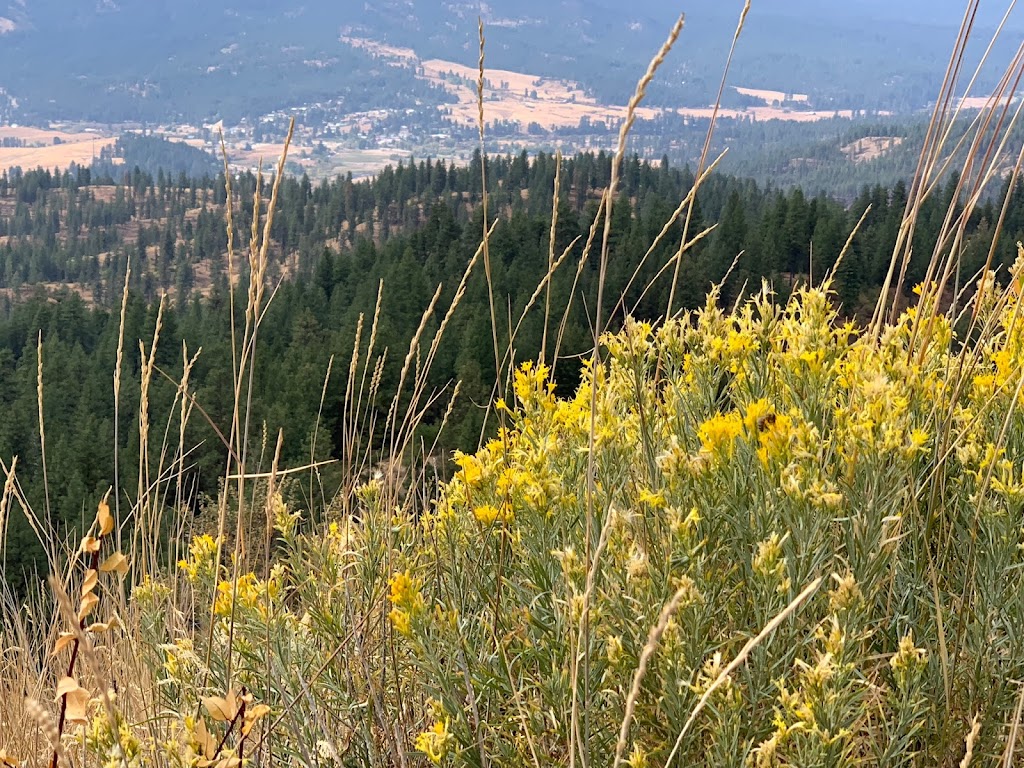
544,284
551,255
684,203
414,346
972,737
5,505
412,417
587,246
581,633
685,248
1011,741
118,361
653,640
483,207
704,156
741,657
634,102
937,135
44,720
954,231
316,432
43,536
185,406
42,442
242,371
620,151
145,523
846,246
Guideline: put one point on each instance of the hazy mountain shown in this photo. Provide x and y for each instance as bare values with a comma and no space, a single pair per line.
156,59
861,54
941,13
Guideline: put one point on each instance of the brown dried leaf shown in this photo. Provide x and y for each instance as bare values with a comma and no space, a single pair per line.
229,762
88,604
100,627
89,584
65,639
104,518
116,562
207,746
252,716
77,704
65,686
90,544
7,760
221,709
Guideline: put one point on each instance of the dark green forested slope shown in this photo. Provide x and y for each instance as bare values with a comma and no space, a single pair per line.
413,227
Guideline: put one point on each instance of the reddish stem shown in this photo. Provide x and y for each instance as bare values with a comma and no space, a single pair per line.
94,563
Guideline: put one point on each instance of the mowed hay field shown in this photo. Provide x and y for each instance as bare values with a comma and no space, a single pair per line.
554,103
40,150
870,147
769,97
562,103
525,98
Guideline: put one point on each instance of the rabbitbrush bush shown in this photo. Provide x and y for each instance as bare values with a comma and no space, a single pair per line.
735,458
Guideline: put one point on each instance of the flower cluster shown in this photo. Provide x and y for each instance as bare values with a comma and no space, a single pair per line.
200,567
407,603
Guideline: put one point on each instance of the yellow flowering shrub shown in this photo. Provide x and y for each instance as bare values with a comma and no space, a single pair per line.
743,455
642,545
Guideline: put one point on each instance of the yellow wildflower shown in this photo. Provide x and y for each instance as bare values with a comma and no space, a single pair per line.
614,650
637,758
813,359
718,433
435,742
200,564
488,514
769,563
406,600
764,756
471,469
652,499
846,594
917,441
709,674
532,383
249,593
773,431
401,621
405,590
908,661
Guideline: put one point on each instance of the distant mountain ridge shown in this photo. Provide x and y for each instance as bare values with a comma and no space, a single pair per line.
188,60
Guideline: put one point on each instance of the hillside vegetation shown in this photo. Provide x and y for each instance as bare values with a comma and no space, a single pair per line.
394,239
705,505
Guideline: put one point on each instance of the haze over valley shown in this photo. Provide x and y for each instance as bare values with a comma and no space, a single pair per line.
374,83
